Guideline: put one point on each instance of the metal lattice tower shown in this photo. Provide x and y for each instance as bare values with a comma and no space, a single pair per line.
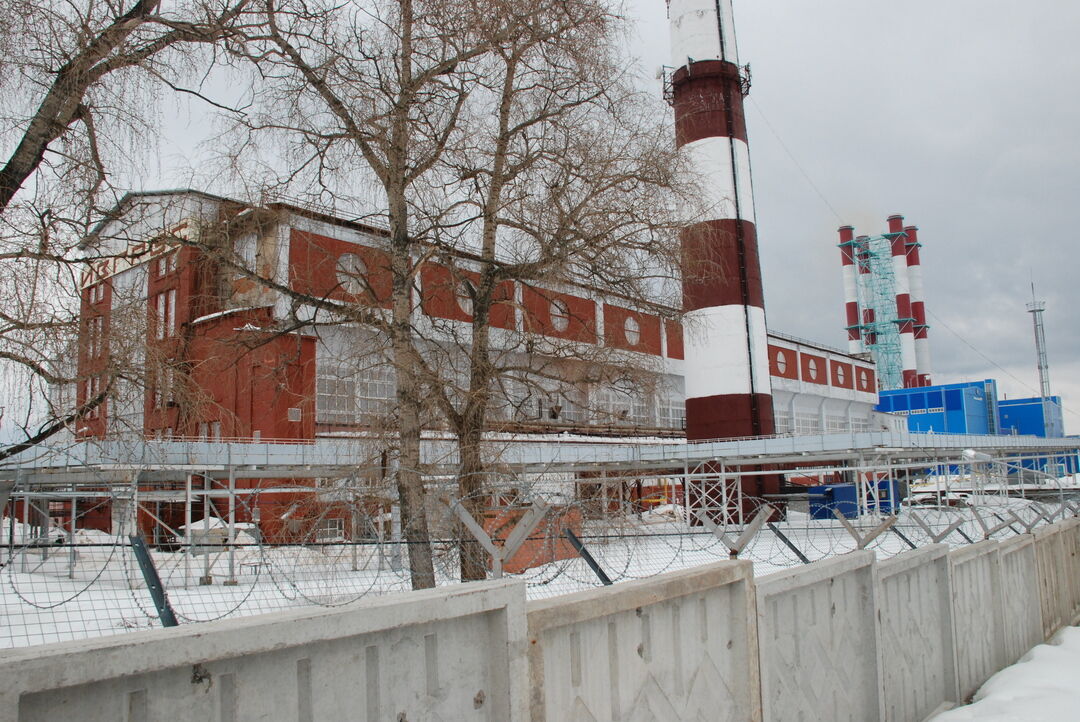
1036,308
879,327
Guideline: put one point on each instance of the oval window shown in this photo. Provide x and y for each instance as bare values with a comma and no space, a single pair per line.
560,315
464,297
631,331
351,273
781,362
811,369
840,375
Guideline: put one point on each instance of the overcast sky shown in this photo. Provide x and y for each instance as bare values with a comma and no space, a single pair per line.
958,114
963,116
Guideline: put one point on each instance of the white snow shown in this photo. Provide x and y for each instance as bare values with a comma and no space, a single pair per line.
1043,686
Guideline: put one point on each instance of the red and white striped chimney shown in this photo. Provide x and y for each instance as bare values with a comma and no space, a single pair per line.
918,306
851,293
904,316
728,388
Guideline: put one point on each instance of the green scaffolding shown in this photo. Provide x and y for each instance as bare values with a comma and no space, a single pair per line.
877,290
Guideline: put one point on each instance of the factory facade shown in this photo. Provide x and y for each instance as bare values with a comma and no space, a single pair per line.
220,364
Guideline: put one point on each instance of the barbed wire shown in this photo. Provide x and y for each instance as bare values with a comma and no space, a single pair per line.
68,578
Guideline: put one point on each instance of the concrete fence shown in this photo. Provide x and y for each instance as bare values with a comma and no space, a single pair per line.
452,654
916,643
848,638
680,646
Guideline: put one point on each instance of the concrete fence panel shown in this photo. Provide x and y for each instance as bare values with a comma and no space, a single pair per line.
977,618
1021,612
818,641
1071,549
1054,546
918,662
440,654
679,646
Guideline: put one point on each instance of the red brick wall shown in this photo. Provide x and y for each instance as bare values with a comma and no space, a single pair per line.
820,374
783,362
250,381
673,331
582,321
93,358
545,544
615,330
841,375
313,268
439,288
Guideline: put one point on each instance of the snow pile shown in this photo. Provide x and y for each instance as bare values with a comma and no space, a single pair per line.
1041,686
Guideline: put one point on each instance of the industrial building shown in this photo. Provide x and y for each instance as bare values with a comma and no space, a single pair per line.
1031,417
233,375
224,363
974,408
961,408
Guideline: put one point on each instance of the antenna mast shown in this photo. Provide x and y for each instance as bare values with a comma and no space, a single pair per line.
1036,308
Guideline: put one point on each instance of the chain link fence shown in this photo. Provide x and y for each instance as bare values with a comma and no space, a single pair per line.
70,569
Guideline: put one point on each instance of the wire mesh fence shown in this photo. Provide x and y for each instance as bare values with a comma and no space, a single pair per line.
70,570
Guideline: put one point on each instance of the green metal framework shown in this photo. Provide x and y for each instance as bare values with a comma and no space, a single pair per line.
876,289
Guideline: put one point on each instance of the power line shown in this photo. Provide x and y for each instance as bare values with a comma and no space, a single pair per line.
839,218
793,159
991,361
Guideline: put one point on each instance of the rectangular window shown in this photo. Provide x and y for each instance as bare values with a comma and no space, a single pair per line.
166,263
330,530
91,339
836,424
93,389
621,405
170,312
348,398
782,422
165,307
807,424
672,411
159,327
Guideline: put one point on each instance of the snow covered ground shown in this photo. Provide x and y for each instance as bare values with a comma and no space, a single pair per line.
1044,686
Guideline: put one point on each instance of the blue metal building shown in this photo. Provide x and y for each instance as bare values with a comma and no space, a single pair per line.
964,408
1031,417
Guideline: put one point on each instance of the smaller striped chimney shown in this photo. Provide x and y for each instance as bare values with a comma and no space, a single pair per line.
918,306
851,292
904,317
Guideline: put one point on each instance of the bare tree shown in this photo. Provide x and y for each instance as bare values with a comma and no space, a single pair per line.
501,130
77,77
567,176
382,84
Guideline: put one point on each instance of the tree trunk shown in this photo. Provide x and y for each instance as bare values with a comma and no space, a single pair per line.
471,491
410,483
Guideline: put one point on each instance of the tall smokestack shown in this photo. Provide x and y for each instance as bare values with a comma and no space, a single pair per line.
728,389
851,292
904,317
918,306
